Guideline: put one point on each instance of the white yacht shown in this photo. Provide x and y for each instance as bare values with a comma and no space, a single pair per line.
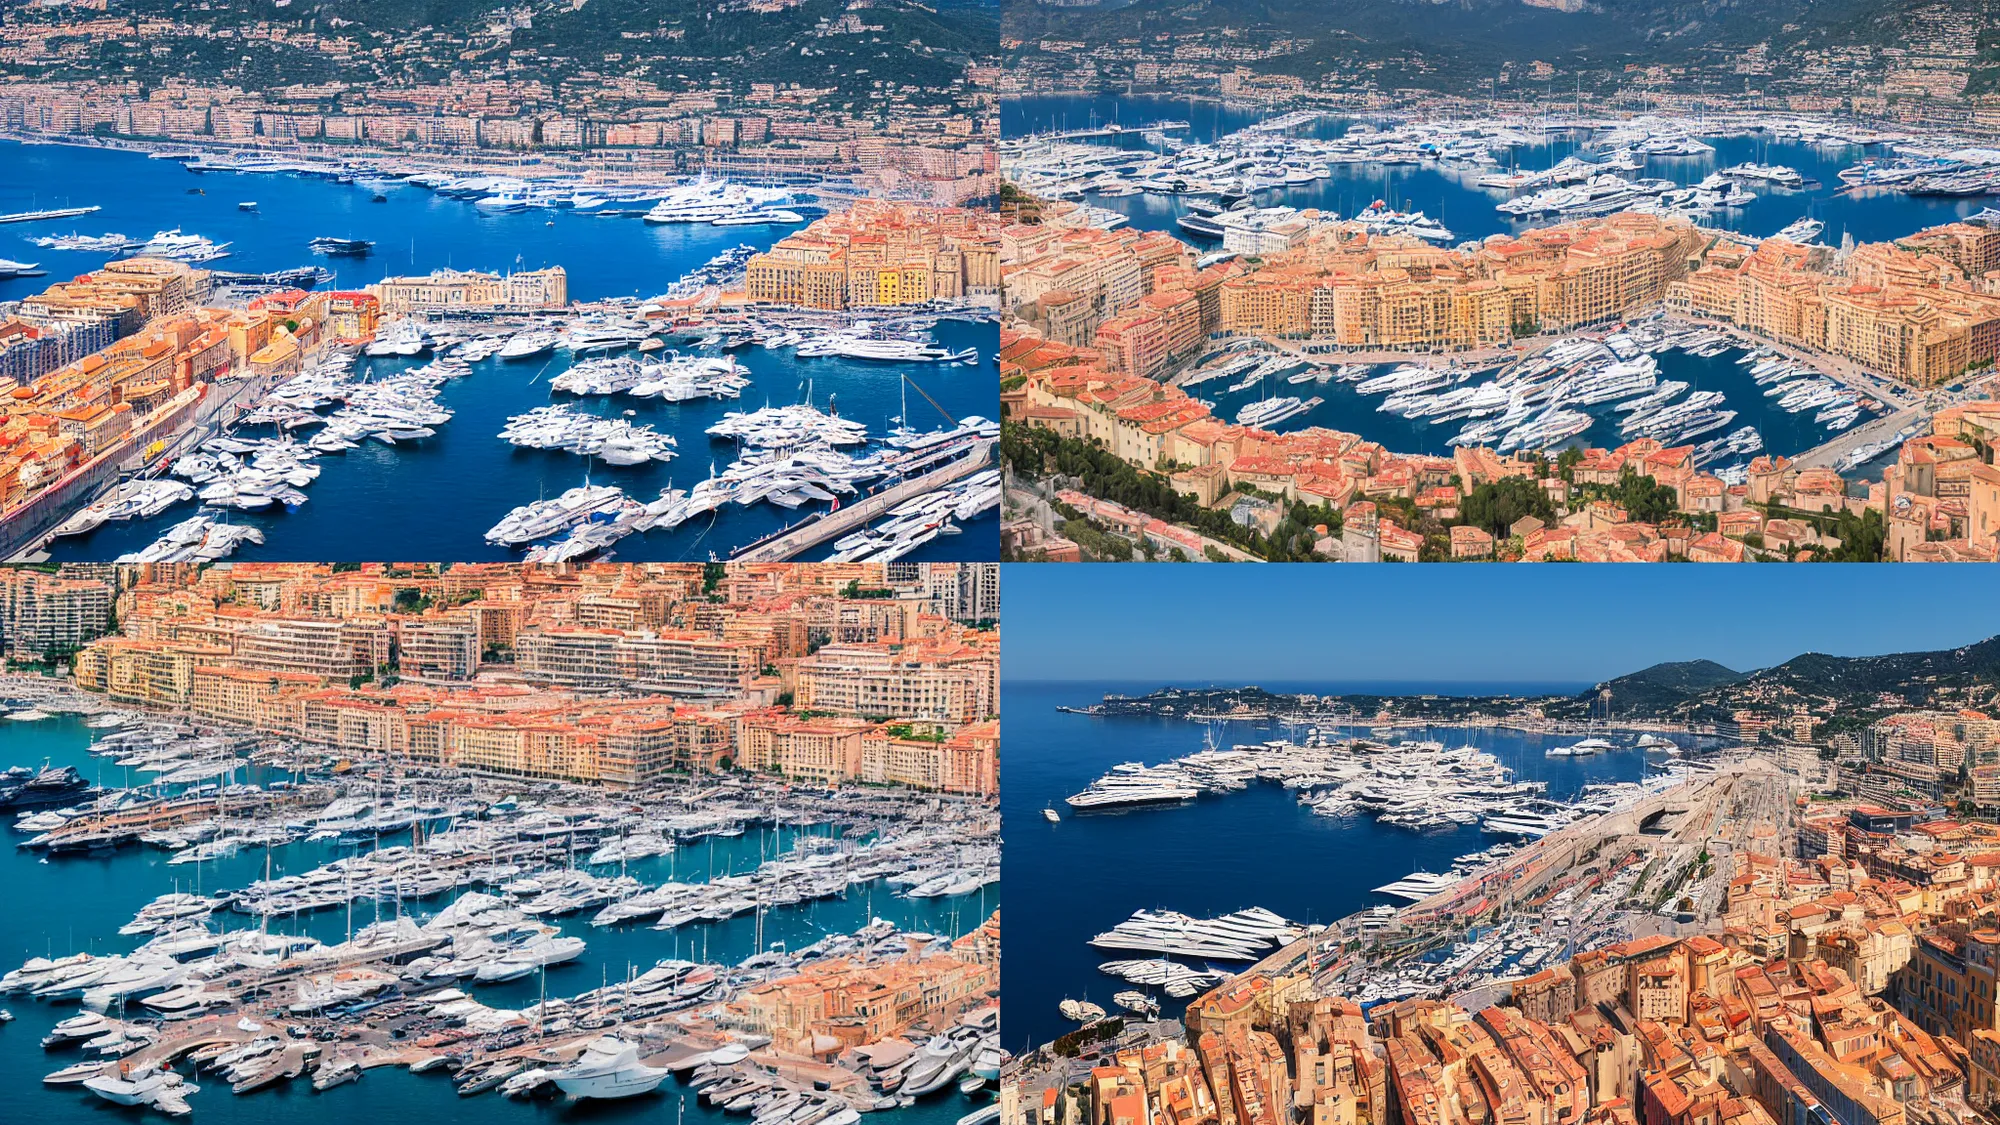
401,338
140,1087
1418,886
518,963
1530,824
608,1068
526,344
1130,785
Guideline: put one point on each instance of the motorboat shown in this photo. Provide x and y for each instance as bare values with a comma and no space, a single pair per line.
608,1068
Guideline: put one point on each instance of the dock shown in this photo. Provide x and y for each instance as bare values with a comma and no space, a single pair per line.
1828,453
835,524
1113,129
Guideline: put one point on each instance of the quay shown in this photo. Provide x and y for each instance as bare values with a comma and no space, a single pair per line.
1113,129
833,525
1828,453
27,531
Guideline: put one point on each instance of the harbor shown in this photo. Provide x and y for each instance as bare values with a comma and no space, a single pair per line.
1763,173
386,470
1722,392
1410,809
269,916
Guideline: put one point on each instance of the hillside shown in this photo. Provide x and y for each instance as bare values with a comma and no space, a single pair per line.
1465,45
862,48
1846,687
1660,686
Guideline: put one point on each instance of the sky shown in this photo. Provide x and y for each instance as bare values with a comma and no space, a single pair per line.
1468,624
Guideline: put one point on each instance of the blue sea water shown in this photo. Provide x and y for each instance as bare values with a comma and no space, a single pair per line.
72,904
1450,195
436,498
1256,847
1347,410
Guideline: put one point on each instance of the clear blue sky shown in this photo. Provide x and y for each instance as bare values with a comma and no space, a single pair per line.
1447,624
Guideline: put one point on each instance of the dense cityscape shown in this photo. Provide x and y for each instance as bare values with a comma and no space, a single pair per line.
1685,893
517,756
1114,333
614,89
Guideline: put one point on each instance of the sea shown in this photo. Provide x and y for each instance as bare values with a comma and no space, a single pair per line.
69,904
1450,195
437,497
1220,853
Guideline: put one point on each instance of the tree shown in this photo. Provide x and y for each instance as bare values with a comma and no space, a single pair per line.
1497,505
1643,498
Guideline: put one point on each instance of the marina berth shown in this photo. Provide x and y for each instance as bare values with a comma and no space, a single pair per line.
1245,935
488,884
615,441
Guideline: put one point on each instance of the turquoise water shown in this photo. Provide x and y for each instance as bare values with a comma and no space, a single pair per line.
437,497
71,904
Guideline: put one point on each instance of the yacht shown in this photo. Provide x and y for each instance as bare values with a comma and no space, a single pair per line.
1133,785
592,336
1530,824
401,338
608,1068
1769,173
1245,935
1270,411
1582,749
140,1087
1803,231
1418,886
518,963
341,247
505,201
526,344
760,216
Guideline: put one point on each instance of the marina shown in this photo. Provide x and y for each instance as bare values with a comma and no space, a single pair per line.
1169,804
487,373
414,938
1749,175
1722,392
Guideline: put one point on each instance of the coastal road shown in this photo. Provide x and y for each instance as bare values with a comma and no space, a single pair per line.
850,518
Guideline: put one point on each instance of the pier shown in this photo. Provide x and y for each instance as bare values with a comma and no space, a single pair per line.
1827,454
789,543
1113,129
